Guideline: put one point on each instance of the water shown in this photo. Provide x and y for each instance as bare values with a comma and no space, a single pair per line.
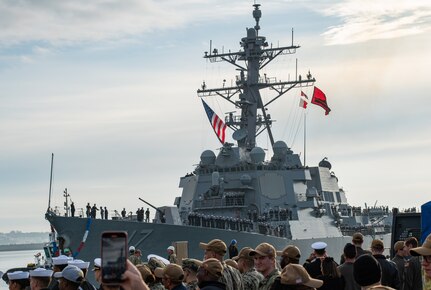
14,259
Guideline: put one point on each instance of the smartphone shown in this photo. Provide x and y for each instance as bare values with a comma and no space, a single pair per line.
114,257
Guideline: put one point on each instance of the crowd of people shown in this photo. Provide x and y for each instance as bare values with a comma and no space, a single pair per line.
91,212
237,224
249,268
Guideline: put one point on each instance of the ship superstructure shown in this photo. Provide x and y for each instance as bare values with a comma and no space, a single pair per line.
238,189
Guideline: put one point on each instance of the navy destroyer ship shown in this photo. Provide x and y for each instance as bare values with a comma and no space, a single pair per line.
240,193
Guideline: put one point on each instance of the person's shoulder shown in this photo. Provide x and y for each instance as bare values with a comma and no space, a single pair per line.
274,274
180,287
345,266
392,263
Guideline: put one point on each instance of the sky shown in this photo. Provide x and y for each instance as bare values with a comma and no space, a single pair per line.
110,87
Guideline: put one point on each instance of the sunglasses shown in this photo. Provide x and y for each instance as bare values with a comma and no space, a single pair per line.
426,258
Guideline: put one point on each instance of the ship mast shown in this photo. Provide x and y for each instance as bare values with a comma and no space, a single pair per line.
256,54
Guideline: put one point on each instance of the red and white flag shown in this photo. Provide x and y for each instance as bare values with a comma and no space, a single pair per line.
319,99
302,102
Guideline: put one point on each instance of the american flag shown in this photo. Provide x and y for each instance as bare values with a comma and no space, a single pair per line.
217,123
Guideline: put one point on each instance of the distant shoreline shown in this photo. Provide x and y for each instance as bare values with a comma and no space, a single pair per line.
22,247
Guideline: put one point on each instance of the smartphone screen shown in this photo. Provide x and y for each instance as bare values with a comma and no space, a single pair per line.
114,256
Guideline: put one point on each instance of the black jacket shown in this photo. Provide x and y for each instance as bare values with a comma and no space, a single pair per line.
211,285
313,268
390,275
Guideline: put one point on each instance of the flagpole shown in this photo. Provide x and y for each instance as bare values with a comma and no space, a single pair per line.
305,134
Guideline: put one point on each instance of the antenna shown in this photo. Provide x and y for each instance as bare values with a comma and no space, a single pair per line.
292,36
50,181
257,14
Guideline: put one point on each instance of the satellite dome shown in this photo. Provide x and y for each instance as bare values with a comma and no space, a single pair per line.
207,157
325,163
257,155
280,148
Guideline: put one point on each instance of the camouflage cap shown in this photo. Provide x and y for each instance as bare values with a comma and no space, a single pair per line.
172,271
216,245
213,266
294,274
231,263
154,263
290,251
145,272
264,249
424,250
244,254
191,264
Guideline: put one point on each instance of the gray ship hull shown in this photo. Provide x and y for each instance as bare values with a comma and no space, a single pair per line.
154,238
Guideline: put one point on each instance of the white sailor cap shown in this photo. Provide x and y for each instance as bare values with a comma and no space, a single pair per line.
71,273
17,275
40,272
171,248
80,264
97,264
61,260
319,245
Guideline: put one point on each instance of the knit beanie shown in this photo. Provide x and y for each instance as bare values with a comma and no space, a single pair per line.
366,270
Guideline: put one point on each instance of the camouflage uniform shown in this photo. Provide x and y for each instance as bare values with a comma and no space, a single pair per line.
267,282
251,279
157,286
231,278
193,285
173,259
135,260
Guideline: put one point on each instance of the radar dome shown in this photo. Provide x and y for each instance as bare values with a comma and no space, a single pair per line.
280,148
207,157
325,163
257,155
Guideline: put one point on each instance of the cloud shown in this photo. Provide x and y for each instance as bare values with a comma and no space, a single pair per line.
362,21
60,22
